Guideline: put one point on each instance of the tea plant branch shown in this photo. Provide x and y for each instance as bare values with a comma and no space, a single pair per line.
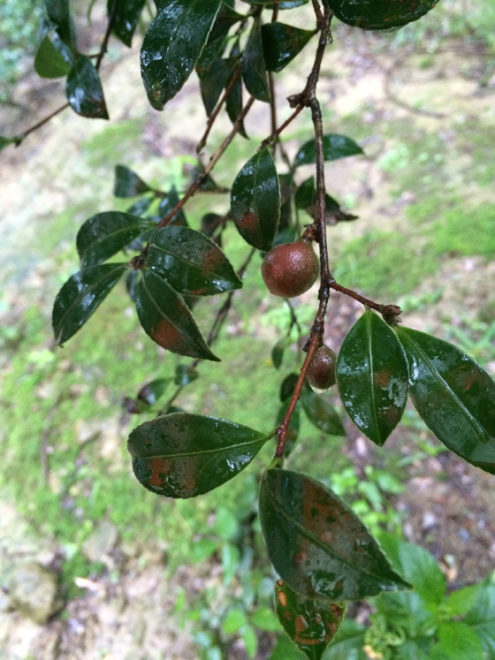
18,139
390,313
218,321
193,188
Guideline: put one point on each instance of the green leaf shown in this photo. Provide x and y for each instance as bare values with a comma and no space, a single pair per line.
481,618
253,64
166,318
105,234
453,395
125,18
169,202
310,623
234,621
462,600
288,385
185,374
213,79
458,641
225,19
5,142
190,262
172,44
418,566
278,354
306,198
334,147
59,13
84,91
250,640
281,43
321,413
233,103
182,455
255,200
317,544
53,57
152,391
265,619
128,183
80,296
372,377
379,14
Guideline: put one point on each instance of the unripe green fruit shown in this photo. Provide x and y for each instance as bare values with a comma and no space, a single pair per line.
290,269
321,370
379,14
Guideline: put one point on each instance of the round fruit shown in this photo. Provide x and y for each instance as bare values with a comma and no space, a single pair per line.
379,14
290,269
321,370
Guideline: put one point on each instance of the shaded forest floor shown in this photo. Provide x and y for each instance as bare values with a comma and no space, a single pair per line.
141,578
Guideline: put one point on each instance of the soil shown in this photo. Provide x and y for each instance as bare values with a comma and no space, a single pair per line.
127,612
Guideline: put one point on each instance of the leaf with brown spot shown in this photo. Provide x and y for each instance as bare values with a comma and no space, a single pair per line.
190,262
166,318
310,623
182,455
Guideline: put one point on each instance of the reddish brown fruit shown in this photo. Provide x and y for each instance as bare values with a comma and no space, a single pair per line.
290,269
321,370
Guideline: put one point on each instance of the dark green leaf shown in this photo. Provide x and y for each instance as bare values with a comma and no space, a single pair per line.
233,103
190,262
128,183
288,385
105,234
167,204
279,4
125,18
182,455
84,91
481,617
140,206
253,64
458,641
152,391
453,395
185,374
278,354
59,13
372,377
167,319
5,142
255,200
334,147
305,198
417,565
213,79
317,544
80,296
172,44
379,15
225,19
53,57
281,43
310,623
321,413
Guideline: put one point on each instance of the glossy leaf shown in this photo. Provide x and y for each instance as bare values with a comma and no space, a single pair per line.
317,544
167,204
190,262
166,318
372,377
305,198
128,183
185,374
183,455
310,623
233,103
213,79
453,395
152,391
84,91
379,14
125,18
255,200
481,618
253,64
281,43
334,148
279,4
172,44
59,13
53,57
288,385
321,413
80,296
225,19
105,234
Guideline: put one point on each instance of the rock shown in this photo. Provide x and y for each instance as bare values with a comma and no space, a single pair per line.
34,591
101,541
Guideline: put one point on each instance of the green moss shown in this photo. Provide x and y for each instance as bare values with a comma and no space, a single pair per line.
465,231
113,143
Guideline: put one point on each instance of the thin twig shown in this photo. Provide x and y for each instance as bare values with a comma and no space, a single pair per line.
106,37
212,118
